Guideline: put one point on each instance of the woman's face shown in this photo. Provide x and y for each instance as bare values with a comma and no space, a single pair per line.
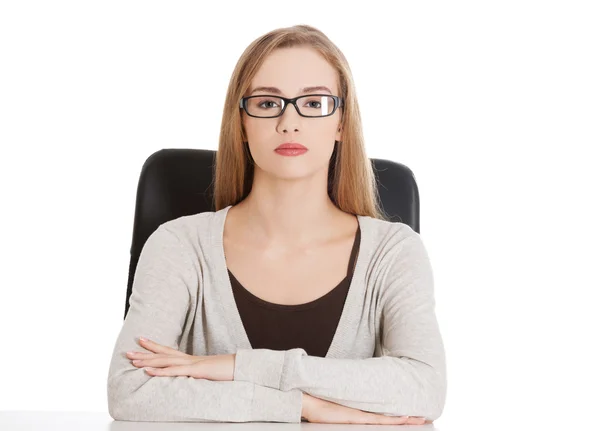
290,70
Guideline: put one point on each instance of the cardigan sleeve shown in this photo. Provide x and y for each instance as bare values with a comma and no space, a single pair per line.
410,376
159,305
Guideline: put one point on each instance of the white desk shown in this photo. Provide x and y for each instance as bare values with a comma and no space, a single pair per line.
90,421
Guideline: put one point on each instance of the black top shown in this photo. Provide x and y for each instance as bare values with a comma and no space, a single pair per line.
310,326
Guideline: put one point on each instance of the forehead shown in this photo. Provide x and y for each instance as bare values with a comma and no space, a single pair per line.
291,69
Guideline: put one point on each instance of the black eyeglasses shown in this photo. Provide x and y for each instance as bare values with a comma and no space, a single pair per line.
311,105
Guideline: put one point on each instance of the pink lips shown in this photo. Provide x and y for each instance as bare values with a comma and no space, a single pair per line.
291,145
291,149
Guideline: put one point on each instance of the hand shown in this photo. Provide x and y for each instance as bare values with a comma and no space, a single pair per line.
322,411
165,361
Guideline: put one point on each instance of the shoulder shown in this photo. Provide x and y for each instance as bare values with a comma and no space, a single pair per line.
396,251
193,234
388,234
191,226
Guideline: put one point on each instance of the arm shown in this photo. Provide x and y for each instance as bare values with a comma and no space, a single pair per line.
410,379
159,305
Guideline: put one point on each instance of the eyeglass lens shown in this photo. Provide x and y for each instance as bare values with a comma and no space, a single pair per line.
270,106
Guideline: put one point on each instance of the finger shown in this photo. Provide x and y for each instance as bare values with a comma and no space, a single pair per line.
400,419
140,355
158,348
149,355
395,420
408,420
162,361
390,420
180,370
376,419
412,420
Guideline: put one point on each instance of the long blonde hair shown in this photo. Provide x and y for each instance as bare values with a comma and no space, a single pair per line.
351,180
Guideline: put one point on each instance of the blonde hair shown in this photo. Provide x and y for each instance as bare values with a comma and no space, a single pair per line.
351,180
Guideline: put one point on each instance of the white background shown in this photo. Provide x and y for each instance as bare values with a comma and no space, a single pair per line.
495,106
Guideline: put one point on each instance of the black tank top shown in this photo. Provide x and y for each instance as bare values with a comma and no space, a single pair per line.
310,326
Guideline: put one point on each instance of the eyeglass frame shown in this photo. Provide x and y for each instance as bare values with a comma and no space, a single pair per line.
338,102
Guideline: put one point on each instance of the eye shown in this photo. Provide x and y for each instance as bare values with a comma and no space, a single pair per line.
274,104
313,106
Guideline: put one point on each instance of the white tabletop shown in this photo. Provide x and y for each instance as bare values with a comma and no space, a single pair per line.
99,421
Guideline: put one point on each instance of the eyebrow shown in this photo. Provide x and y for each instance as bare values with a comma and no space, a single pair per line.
304,90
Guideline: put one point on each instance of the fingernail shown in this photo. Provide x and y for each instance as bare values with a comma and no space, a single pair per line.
143,339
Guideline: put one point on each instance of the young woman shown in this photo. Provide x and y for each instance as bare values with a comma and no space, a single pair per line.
297,283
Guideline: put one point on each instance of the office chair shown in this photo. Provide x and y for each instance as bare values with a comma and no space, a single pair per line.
178,182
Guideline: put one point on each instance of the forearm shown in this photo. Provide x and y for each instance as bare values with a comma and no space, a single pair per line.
385,385
135,396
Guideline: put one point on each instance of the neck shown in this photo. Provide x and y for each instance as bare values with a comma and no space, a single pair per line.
286,213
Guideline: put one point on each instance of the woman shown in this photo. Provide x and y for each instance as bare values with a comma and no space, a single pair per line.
296,283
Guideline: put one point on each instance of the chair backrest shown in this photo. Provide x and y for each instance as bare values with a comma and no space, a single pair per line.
179,182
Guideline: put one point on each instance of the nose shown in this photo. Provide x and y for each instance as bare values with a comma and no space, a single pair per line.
289,120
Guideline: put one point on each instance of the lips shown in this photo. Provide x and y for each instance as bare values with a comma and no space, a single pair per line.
291,146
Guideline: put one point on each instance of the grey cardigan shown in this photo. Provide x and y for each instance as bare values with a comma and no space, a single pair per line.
387,355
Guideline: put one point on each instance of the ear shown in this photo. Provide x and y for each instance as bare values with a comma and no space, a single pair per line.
338,135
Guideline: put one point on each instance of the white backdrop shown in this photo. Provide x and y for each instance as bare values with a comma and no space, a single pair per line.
493,105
